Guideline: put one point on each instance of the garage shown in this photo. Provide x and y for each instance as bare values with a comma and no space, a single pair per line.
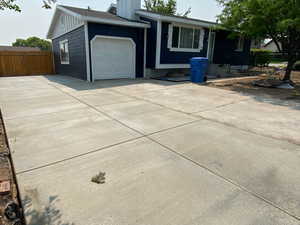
113,57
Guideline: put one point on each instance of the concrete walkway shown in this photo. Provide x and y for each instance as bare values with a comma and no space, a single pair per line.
173,153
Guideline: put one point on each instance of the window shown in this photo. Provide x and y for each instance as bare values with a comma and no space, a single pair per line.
240,44
64,52
186,39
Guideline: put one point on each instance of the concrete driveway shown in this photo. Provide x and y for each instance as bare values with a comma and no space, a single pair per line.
173,153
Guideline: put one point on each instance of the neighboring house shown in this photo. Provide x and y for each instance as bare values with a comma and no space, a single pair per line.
19,49
128,42
271,46
257,43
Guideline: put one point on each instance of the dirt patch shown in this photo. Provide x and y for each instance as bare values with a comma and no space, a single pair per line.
9,201
245,85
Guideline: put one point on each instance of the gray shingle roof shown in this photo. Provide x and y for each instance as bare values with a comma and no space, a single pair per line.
179,17
97,14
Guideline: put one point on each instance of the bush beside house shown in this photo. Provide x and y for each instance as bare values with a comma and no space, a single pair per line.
297,66
260,57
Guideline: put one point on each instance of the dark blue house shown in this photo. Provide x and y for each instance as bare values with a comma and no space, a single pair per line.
128,42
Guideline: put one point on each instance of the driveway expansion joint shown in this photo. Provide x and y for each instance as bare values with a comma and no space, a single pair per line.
230,181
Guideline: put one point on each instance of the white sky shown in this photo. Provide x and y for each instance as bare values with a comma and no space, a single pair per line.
35,20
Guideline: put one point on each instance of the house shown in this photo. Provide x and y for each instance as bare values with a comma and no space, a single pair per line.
18,49
257,43
129,42
271,46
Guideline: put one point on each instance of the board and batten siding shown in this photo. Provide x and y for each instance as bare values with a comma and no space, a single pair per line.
77,54
66,23
225,50
174,57
137,35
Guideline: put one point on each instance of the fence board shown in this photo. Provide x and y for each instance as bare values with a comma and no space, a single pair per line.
26,63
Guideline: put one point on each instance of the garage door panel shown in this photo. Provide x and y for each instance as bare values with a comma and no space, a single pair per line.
113,58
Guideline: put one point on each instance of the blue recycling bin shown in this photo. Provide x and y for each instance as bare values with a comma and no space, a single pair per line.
198,69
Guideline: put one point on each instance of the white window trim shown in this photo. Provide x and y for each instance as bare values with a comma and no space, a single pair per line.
64,62
238,44
170,36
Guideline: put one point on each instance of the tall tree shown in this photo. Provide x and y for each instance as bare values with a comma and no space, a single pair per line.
12,5
9,4
44,45
278,20
168,7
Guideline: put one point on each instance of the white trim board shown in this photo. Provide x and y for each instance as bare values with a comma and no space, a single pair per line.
74,28
211,45
87,52
117,38
158,44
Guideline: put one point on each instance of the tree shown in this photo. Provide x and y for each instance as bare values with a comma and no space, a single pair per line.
33,42
11,4
167,8
278,20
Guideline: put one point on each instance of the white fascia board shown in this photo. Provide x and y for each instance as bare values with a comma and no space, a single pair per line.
113,22
53,20
74,28
175,19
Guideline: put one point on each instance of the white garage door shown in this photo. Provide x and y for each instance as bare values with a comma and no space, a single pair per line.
112,57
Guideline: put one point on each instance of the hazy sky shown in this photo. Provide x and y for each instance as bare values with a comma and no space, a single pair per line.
34,20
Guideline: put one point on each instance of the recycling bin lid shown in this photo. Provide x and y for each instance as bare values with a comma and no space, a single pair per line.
199,59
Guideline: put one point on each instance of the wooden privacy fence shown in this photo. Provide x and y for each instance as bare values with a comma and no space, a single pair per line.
25,63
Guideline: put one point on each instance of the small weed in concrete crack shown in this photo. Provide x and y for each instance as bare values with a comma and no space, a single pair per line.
99,178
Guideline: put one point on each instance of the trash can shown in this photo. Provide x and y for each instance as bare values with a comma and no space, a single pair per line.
198,69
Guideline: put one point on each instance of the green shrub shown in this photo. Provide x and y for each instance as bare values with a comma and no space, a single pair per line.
261,57
297,66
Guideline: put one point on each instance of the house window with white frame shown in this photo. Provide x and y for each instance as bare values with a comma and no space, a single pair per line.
64,52
240,44
187,39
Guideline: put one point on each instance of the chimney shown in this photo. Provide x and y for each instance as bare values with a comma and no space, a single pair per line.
127,8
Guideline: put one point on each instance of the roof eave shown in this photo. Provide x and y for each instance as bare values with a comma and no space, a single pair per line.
50,30
176,19
91,19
